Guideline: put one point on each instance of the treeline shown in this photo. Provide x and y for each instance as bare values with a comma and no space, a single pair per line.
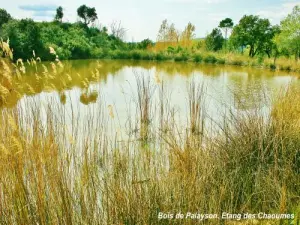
78,40
252,36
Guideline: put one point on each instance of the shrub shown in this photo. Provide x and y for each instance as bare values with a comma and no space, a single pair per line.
147,55
136,55
272,66
118,54
237,62
221,61
181,57
198,58
160,56
210,59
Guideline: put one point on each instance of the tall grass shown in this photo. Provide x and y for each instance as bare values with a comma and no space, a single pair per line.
51,177
55,172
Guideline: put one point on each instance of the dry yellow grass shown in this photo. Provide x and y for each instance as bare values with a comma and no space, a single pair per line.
53,173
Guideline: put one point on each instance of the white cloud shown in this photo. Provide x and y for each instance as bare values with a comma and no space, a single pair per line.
276,14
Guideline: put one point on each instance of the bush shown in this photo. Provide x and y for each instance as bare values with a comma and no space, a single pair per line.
221,61
136,55
147,56
97,53
287,68
237,62
210,59
118,54
272,66
181,57
198,58
160,56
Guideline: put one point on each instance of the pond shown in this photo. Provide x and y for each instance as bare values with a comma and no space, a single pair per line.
77,90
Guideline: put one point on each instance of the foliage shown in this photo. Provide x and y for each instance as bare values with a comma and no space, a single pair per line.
226,25
173,34
24,37
163,31
253,31
289,37
168,35
145,44
210,59
188,35
4,17
214,41
59,14
87,14
198,58
71,41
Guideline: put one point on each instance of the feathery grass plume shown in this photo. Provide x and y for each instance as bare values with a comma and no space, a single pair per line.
52,51
3,150
69,77
3,91
19,61
16,144
5,66
45,69
53,66
21,66
30,89
12,123
6,49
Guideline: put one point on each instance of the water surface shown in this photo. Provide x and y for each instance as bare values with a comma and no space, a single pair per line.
82,85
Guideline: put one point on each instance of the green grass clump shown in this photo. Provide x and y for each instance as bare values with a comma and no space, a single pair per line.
198,58
161,56
181,57
210,59
221,61
237,62
119,54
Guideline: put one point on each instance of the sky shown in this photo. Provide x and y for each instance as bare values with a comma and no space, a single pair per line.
142,18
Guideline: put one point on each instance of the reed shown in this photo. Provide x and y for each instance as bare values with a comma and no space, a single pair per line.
58,168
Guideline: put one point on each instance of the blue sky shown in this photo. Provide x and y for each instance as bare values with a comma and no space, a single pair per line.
142,18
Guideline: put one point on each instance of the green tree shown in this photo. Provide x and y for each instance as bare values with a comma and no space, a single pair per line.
144,44
87,14
270,46
226,25
252,31
4,17
214,41
289,37
24,37
59,14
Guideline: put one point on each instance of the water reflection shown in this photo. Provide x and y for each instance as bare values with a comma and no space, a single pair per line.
88,98
244,85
